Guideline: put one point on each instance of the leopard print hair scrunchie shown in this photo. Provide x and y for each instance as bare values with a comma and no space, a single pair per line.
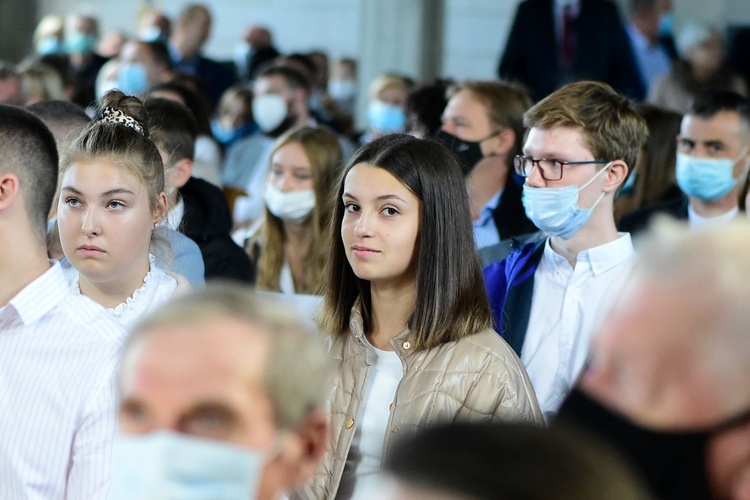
112,115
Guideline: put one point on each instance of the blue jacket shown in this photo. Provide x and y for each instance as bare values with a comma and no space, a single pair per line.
510,287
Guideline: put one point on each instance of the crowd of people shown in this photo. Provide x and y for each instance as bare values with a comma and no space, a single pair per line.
214,285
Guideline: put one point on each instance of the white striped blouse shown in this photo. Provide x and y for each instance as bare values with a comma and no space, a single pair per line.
58,358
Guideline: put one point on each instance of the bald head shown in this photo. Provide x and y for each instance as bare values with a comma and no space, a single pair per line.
672,349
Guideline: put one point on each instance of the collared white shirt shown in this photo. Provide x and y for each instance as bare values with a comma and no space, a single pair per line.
175,215
653,60
485,230
567,305
58,357
697,221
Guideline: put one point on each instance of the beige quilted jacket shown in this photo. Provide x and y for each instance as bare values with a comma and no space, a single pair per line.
478,378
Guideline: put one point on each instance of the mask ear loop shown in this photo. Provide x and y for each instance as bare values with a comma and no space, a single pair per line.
606,167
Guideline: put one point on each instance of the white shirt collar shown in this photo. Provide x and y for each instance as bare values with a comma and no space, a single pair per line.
601,258
52,285
699,222
176,214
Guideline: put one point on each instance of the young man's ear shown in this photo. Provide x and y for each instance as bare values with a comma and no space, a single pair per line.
181,172
615,175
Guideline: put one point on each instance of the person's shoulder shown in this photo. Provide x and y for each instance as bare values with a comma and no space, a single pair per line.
90,322
483,346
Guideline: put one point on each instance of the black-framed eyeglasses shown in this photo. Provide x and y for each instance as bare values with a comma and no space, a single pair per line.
550,170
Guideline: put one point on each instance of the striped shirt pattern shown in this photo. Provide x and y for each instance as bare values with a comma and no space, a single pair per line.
58,358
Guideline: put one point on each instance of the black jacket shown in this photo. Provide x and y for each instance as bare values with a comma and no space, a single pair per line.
208,222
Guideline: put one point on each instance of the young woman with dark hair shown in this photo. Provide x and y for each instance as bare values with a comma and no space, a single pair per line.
410,324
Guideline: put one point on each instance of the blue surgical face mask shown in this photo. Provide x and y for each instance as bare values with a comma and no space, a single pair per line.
555,210
706,178
386,118
50,45
170,465
132,78
80,43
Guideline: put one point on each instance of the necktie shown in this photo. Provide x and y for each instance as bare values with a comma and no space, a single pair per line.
567,42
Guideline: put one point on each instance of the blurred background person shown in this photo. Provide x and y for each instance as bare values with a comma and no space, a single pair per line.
483,125
424,108
49,35
111,43
190,33
81,35
257,50
11,87
386,111
154,26
652,54
41,82
207,156
288,248
234,116
342,84
700,67
652,181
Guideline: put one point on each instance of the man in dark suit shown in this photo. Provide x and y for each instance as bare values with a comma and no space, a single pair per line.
190,34
554,42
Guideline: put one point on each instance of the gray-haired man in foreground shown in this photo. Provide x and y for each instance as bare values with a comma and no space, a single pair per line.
221,397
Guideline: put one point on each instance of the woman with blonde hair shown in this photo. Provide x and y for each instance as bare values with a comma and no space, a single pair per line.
111,198
288,249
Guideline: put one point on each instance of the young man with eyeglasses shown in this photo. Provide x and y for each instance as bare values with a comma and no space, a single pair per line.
547,297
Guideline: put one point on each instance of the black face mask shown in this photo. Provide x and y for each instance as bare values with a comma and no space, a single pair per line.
469,152
282,127
673,464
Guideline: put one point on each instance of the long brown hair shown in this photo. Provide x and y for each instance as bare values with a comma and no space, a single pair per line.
451,302
324,153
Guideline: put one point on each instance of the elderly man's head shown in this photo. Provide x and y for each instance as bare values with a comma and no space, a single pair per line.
231,384
673,356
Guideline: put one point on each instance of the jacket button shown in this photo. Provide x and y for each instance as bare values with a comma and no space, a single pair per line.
406,345
349,423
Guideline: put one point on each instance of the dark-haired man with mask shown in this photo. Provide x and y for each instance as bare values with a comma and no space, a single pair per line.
713,159
667,381
279,105
483,125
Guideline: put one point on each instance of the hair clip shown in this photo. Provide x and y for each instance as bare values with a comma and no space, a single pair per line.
111,115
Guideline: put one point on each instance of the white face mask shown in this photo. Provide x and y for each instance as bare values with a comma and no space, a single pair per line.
269,110
292,206
170,465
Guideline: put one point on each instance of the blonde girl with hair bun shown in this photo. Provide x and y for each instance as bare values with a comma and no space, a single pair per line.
111,198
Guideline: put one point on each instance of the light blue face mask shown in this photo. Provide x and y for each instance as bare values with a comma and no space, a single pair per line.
706,178
132,78
171,465
386,118
555,210
50,45
80,43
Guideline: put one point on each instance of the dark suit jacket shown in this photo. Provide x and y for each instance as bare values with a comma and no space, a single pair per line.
639,220
602,50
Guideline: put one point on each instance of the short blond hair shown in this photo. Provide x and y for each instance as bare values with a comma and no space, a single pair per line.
297,371
613,129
